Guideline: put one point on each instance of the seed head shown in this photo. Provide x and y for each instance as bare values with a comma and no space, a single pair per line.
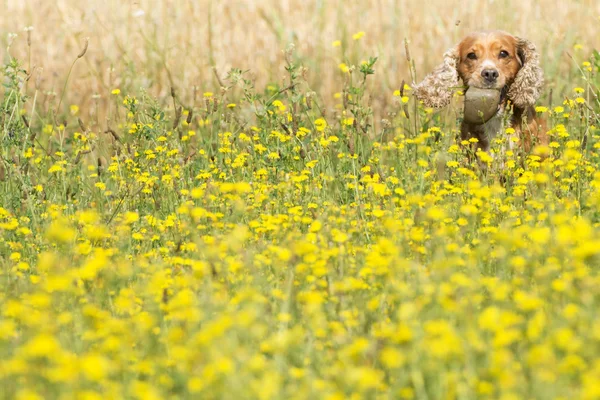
85,47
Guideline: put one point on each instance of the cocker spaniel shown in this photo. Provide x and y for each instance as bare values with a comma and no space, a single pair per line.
491,60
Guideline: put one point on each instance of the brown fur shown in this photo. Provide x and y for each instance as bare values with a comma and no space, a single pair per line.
514,62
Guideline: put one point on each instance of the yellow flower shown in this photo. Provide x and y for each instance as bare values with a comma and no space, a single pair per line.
320,124
42,345
131,217
95,367
436,213
116,91
365,378
358,35
485,157
28,394
56,168
315,226
280,106
392,358
60,231
336,43
339,236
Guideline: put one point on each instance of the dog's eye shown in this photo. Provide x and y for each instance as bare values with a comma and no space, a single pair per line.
472,56
503,54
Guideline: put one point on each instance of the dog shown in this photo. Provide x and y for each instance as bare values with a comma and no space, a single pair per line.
491,60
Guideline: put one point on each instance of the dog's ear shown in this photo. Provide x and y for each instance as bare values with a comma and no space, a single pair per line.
527,86
436,88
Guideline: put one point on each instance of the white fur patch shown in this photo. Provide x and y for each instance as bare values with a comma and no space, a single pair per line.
488,64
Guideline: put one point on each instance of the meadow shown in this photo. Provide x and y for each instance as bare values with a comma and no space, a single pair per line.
223,200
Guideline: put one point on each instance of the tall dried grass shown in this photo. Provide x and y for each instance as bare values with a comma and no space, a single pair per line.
148,43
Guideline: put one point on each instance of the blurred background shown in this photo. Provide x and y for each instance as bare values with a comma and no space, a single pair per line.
132,44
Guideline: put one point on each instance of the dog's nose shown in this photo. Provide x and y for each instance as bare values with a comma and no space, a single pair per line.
489,75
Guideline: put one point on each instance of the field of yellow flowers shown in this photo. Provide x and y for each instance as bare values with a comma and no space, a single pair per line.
257,244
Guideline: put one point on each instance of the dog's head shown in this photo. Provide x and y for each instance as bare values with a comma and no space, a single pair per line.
486,60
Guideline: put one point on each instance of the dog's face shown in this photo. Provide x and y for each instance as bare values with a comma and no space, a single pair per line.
488,60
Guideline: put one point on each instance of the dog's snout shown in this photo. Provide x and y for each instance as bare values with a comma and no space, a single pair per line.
490,75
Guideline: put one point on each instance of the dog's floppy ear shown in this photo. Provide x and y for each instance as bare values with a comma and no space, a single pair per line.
527,87
436,89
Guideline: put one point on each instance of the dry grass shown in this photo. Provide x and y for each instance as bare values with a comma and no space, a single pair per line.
132,42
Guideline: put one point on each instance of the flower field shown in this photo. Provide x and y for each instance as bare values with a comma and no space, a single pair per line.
262,241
